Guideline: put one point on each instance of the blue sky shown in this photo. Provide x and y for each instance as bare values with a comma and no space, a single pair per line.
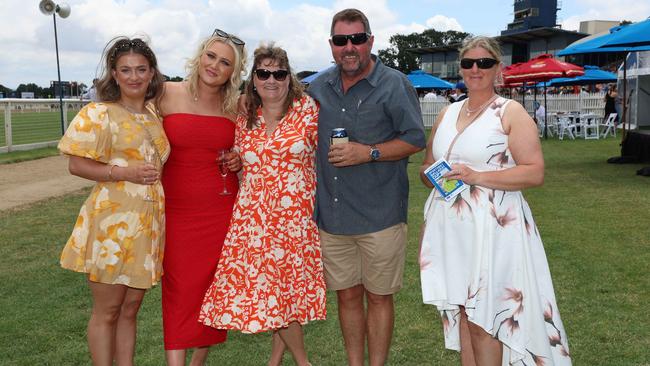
175,27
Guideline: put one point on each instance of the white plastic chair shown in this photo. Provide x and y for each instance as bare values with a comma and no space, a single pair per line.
589,126
609,125
565,124
551,127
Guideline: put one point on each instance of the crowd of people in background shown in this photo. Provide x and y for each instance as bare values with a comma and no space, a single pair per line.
248,207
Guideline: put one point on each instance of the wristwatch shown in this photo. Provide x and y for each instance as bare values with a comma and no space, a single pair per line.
374,153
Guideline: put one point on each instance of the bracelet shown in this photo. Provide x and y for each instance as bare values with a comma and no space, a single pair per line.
110,173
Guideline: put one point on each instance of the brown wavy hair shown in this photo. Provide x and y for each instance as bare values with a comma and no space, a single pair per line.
107,88
253,100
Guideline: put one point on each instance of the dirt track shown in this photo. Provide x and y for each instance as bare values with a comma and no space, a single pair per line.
35,180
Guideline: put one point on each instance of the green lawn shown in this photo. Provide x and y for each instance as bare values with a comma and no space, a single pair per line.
593,218
30,127
24,155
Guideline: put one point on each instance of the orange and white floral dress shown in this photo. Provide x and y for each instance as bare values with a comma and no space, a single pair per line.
270,273
118,237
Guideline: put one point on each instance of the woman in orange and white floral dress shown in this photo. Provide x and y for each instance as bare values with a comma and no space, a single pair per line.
118,237
270,275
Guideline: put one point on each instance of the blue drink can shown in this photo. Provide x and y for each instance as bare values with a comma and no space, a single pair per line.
338,136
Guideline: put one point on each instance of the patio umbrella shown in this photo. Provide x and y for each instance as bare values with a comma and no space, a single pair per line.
632,35
593,75
597,44
422,80
541,68
622,38
517,84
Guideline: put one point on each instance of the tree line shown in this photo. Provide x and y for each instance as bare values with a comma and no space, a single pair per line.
38,91
73,90
398,57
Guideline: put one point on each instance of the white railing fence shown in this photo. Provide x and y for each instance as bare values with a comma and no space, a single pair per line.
27,124
581,103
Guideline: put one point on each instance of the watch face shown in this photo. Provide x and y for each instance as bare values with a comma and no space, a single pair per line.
374,154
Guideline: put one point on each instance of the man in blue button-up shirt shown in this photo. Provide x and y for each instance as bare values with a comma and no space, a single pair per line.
362,192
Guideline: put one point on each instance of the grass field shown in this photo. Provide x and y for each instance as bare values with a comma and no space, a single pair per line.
30,127
18,156
593,218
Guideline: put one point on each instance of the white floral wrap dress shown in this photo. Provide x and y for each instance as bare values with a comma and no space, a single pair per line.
483,251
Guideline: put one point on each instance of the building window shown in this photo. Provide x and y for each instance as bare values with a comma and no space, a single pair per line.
427,67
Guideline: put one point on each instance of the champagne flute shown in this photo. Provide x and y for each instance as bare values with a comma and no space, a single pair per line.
223,170
149,155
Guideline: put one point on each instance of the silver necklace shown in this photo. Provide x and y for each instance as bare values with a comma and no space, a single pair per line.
468,111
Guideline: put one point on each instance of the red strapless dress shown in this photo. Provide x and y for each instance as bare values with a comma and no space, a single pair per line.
197,219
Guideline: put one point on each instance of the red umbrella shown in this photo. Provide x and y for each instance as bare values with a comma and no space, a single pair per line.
541,68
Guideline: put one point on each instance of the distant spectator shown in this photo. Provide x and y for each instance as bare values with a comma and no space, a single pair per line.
460,94
91,94
431,95
540,112
610,101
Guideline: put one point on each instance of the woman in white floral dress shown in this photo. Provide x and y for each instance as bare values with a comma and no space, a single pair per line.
482,261
117,239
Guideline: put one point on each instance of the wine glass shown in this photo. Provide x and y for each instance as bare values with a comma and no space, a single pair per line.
149,158
223,170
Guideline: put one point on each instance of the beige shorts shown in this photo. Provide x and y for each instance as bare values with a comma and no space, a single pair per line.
375,260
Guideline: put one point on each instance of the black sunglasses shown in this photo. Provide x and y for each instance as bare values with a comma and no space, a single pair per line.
356,39
226,35
482,63
264,74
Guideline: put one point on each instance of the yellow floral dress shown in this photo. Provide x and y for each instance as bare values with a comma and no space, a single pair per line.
119,234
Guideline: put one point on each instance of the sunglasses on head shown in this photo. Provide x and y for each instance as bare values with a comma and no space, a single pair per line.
264,74
226,35
482,63
356,39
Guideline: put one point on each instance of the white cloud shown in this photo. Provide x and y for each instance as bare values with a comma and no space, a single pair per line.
175,28
442,23
630,10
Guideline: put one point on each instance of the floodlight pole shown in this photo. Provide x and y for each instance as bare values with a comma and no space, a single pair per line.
58,71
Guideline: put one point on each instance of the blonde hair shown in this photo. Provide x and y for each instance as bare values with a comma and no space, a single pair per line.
487,43
231,88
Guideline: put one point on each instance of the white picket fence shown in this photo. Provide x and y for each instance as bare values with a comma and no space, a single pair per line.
581,103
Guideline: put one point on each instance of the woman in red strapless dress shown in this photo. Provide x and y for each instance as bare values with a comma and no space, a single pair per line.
198,117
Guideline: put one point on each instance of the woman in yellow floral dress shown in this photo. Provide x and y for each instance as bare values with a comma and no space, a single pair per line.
118,237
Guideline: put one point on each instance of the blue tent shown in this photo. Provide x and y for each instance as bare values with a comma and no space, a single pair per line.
631,36
593,75
422,80
313,77
609,42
